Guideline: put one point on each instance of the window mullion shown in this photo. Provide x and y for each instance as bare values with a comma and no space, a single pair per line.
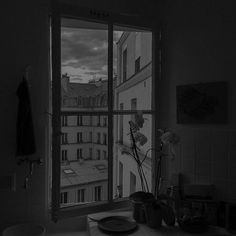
56,121
156,77
110,111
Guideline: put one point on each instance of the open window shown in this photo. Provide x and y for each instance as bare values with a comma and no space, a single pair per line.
102,75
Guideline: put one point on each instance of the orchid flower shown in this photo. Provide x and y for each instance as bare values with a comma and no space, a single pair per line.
168,141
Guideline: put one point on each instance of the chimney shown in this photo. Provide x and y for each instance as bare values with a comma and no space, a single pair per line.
65,81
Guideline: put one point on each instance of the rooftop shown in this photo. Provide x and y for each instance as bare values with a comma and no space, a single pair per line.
77,173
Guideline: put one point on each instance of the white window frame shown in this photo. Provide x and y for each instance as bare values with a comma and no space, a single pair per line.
97,193
64,155
81,194
64,138
59,11
80,137
62,197
79,153
98,154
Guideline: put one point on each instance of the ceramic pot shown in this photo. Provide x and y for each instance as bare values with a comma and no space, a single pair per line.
153,214
138,212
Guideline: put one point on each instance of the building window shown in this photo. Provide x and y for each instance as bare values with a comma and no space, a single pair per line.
137,65
98,121
104,121
120,188
124,65
90,153
79,153
64,139
104,155
79,137
98,138
79,120
98,154
97,193
79,101
91,121
104,139
90,137
64,120
133,107
80,195
132,182
63,155
64,197
121,122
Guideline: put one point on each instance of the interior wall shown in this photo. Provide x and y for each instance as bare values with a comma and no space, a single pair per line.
200,47
25,41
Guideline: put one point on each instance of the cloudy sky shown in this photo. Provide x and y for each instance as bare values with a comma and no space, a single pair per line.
84,53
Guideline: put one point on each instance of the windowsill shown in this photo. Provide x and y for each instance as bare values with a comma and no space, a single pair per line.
69,227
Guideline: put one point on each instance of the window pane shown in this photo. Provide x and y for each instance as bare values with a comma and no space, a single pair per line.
132,68
84,50
84,164
126,176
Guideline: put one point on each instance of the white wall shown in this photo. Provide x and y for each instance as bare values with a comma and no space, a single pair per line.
200,47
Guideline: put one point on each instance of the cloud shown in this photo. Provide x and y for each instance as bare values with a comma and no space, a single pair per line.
85,52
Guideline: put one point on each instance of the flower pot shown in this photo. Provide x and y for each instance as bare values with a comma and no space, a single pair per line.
138,199
153,214
138,212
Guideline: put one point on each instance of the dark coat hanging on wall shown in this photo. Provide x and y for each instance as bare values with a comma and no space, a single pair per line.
24,128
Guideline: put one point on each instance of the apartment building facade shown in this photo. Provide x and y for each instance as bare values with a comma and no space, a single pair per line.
133,92
83,142
84,152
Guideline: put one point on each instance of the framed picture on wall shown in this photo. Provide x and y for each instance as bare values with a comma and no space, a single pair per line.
203,103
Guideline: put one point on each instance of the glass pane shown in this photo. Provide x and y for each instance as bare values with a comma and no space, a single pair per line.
132,57
84,50
126,175
84,159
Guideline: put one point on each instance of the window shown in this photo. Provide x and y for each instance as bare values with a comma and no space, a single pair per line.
63,155
104,75
133,107
98,138
97,193
137,65
120,188
64,138
132,182
80,195
79,120
64,120
90,153
105,139
90,137
104,121
98,154
104,155
124,57
79,153
64,197
121,121
98,121
79,137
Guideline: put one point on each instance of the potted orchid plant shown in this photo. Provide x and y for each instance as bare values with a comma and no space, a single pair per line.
146,203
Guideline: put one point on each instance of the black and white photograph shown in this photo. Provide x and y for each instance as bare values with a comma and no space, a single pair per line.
118,118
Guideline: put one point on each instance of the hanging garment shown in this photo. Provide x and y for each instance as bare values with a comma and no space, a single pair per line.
24,128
